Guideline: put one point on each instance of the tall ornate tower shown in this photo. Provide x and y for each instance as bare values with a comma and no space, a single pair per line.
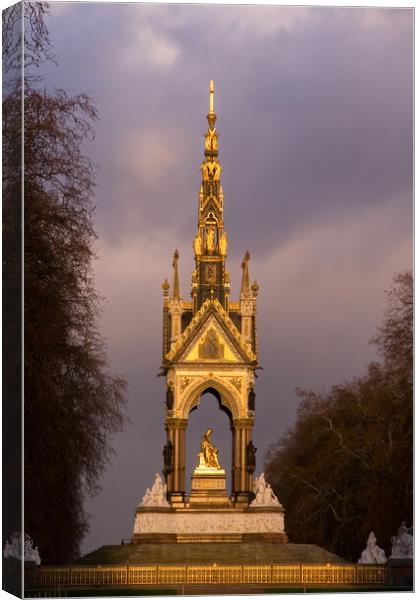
209,345
210,342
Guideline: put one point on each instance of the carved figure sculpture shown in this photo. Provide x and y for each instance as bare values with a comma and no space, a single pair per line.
7,550
372,553
14,548
169,397
204,171
209,451
213,169
251,451
251,399
168,451
157,495
198,245
223,244
402,543
264,495
211,140
210,240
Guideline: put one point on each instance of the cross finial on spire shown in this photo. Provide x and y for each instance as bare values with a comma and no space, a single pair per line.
211,109
211,117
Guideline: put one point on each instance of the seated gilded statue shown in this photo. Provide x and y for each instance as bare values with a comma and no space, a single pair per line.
209,451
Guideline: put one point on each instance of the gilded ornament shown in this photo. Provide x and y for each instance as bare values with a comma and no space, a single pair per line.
198,245
185,382
210,235
236,382
223,244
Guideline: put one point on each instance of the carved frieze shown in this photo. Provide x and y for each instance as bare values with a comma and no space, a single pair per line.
207,484
199,522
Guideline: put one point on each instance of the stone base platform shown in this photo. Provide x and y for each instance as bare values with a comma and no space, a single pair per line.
204,525
256,553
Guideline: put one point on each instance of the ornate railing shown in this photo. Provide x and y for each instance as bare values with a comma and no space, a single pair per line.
56,577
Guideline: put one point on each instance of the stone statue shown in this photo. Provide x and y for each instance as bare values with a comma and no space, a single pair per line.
209,451
157,495
168,450
214,169
210,170
36,557
223,244
210,240
7,550
204,171
14,548
402,543
264,495
169,397
198,245
251,399
211,140
251,451
372,554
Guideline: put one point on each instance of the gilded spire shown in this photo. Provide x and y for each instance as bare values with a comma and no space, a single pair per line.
175,288
211,242
245,275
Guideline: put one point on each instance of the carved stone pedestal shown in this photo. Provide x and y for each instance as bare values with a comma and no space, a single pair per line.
208,487
209,515
155,525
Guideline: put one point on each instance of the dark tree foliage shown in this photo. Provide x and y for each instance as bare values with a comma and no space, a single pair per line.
72,403
11,277
346,467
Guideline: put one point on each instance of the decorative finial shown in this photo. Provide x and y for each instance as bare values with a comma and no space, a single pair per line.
255,287
211,96
175,288
246,259
211,117
245,275
165,288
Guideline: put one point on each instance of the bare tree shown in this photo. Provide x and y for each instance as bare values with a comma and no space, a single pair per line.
346,467
72,402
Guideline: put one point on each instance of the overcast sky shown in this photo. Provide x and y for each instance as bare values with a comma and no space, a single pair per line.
314,111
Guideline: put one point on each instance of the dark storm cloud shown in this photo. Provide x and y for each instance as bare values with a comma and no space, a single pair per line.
315,103
314,111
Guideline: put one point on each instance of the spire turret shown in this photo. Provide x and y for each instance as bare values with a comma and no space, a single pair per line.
245,290
210,280
175,287
211,242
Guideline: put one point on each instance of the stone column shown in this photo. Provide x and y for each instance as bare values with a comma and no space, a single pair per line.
169,469
176,479
236,463
241,479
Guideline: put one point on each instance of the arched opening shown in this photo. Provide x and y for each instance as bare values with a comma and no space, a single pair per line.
211,413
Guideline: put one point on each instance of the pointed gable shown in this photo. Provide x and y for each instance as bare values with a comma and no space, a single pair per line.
211,336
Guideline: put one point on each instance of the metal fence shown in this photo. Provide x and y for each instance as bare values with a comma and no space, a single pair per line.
211,574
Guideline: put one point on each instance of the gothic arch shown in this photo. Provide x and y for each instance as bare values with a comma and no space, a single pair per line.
229,397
